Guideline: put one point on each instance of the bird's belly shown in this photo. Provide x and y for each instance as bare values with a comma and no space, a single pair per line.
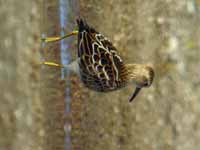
102,86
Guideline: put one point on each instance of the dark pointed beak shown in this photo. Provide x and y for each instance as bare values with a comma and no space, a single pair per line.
137,90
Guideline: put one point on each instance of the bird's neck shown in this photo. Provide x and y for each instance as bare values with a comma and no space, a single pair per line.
134,72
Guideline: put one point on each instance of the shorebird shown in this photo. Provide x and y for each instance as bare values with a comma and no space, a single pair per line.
99,64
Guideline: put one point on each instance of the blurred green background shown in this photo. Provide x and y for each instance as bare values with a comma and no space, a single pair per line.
33,101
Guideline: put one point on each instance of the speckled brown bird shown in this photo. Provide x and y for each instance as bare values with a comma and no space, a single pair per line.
100,66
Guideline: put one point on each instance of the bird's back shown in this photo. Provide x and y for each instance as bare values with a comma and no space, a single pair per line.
101,68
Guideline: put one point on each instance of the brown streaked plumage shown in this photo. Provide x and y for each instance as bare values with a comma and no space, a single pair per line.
100,66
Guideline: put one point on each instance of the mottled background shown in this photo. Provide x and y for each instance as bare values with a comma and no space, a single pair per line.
166,116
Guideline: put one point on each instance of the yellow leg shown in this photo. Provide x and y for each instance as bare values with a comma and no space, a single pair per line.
49,63
58,38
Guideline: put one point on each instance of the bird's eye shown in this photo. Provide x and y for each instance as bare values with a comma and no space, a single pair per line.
145,81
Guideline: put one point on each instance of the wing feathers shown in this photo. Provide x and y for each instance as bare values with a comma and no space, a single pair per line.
99,62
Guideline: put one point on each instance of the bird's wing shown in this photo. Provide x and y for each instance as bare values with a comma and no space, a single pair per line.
99,63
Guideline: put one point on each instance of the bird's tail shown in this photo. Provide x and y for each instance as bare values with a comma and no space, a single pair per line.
82,25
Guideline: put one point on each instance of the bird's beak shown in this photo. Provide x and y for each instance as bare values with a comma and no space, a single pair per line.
137,90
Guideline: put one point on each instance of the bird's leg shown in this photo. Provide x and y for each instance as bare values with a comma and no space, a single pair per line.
59,66
58,38
52,64
72,67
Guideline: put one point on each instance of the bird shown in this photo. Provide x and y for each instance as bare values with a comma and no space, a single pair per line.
100,65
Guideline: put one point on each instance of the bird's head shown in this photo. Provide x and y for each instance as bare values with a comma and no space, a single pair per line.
141,76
